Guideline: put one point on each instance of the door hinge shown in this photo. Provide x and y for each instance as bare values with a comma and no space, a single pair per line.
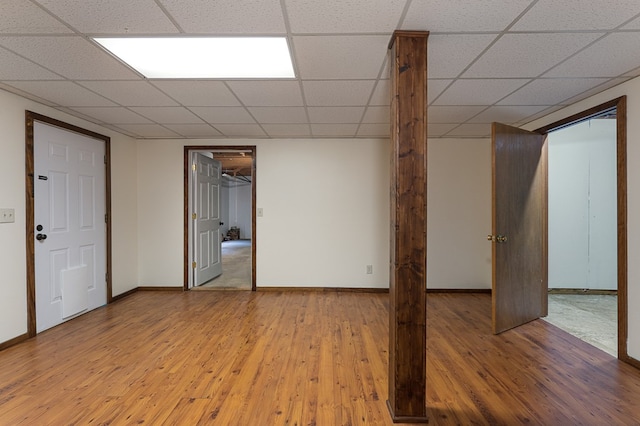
105,159
106,218
106,277
194,216
193,265
193,167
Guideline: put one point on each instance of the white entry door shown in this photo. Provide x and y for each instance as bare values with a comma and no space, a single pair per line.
70,229
207,242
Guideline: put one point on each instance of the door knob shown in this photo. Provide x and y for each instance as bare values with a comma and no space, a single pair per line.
497,238
41,237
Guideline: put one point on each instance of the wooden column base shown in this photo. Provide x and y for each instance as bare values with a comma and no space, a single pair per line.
405,419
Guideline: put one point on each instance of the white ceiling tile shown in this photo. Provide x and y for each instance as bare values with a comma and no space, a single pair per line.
355,16
595,90
23,17
334,130
15,67
240,130
287,130
194,130
435,130
460,16
335,114
474,130
443,64
112,17
609,57
549,91
198,93
374,130
382,93
130,93
435,88
149,130
168,115
113,115
452,114
72,56
63,93
337,93
226,115
279,115
377,114
478,92
528,55
566,15
340,57
506,114
228,16
267,93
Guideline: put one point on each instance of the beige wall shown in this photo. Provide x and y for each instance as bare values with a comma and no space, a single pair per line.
459,214
13,301
632,90
325,204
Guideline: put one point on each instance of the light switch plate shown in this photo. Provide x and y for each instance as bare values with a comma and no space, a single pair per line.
7,215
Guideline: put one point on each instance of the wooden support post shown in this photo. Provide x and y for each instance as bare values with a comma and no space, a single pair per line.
407,287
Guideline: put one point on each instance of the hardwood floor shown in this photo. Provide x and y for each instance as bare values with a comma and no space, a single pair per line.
302,358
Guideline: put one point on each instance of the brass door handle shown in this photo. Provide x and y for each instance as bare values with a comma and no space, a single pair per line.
497,238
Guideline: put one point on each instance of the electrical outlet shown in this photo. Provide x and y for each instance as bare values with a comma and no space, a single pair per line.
7,215
369,269
260,212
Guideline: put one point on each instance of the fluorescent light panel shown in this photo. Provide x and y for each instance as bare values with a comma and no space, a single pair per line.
208,57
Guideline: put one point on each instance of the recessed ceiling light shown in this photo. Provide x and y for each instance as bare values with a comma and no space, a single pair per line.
208,57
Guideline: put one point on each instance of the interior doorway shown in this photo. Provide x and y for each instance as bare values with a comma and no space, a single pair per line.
616,231
582,239
237,218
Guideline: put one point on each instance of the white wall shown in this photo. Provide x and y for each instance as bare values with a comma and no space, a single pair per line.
632,90
13,301
325,203
582,206
459,214
240,207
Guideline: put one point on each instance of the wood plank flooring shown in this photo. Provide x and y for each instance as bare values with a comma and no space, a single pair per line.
302,358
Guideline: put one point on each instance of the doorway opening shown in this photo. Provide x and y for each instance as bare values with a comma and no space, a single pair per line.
587,226
236,218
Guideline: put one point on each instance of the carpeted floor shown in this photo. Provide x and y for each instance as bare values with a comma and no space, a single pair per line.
592,318
236,268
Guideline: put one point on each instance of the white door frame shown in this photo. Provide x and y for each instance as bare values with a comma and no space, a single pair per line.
30,117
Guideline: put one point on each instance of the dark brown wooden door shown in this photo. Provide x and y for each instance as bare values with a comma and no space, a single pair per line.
519,228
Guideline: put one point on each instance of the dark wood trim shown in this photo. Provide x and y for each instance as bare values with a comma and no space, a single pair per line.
408,258
325,289
187,150
30,117
620,105
123,295
12,342
155,288
459,290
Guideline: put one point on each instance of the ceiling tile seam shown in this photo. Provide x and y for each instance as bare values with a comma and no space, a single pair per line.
489,46
62,77
56,17
403,15
375,85
294,60
169,16
567,58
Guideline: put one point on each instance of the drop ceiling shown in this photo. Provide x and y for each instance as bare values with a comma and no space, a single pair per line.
494,60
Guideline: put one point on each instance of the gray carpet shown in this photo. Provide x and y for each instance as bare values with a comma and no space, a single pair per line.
236,268
592,318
